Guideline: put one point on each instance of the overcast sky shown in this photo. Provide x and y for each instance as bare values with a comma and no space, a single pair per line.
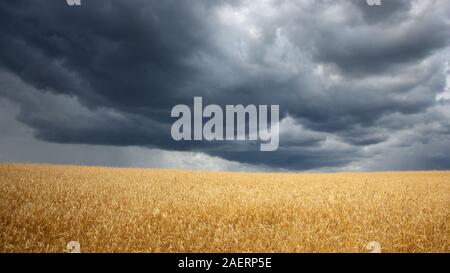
359,87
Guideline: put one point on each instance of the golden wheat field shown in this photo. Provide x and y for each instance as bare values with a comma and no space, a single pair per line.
43,207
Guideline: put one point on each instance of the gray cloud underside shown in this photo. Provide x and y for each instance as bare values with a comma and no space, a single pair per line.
356,85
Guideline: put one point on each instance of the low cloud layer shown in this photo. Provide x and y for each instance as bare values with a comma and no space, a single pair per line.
359,87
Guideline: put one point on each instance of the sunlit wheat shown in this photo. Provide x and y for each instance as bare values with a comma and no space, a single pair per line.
43,207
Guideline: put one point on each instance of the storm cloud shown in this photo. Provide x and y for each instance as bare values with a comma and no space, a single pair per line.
359,87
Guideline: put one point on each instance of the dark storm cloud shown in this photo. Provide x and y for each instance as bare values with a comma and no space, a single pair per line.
346,75
125,53
293,159
361,48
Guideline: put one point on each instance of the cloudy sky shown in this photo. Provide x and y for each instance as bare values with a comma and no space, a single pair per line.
359,87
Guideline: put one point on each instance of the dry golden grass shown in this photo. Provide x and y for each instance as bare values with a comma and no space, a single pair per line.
120,210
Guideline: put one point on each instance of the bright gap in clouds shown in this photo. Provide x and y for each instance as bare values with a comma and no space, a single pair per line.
446,94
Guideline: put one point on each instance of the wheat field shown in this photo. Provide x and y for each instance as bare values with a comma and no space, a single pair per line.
42,207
